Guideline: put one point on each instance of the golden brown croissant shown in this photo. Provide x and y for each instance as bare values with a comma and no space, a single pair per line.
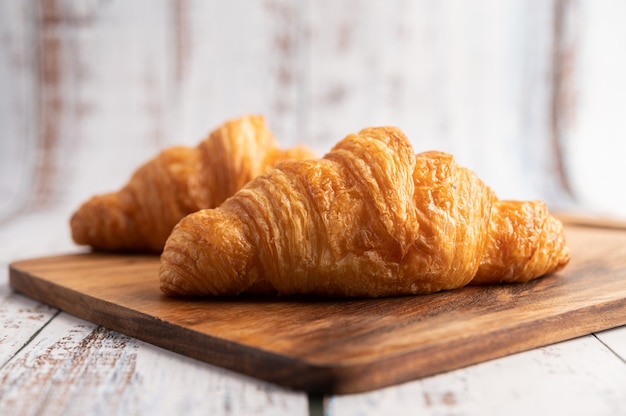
180,180
525,242
371,218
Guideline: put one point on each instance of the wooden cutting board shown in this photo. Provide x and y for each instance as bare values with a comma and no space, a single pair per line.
337,345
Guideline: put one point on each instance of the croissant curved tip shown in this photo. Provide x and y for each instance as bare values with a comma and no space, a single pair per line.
97,215
207,243
526,242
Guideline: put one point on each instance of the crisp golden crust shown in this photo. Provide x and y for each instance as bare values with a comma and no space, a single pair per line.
453,208
371,218
524,242
179,181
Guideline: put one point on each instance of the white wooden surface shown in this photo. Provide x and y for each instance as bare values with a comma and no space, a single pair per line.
89,89
577,377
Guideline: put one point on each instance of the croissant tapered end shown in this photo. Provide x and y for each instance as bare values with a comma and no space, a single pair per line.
209,240
524,242
99,215
89,219
177,182
140,216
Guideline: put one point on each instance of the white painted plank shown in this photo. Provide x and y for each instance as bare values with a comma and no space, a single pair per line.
137,78
595,131
577,377
469,79
237,57
73,367
18,106
114,86
20,319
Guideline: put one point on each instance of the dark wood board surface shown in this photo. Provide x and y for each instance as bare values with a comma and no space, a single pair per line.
342,345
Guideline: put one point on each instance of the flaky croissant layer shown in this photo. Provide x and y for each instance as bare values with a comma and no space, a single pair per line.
179,181
369,219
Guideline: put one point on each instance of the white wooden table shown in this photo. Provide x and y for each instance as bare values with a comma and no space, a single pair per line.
528,94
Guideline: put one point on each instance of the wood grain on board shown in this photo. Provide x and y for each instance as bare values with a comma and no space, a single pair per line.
342,345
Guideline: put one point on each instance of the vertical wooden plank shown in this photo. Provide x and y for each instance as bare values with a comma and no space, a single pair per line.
335,98
285,69
539,64
18,105
98,77
594,131
468,79
121,81
564,49
113,85
60,74
239,57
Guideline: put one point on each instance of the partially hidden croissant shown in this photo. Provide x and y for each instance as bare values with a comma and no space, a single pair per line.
369,219
178,181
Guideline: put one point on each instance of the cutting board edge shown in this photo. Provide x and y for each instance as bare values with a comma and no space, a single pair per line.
366,377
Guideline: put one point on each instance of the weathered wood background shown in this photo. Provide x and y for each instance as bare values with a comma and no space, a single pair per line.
530,94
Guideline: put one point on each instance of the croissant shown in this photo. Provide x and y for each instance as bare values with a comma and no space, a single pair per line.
178,181
371,218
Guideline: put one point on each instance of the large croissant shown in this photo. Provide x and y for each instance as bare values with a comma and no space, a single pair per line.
179,181
369,219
